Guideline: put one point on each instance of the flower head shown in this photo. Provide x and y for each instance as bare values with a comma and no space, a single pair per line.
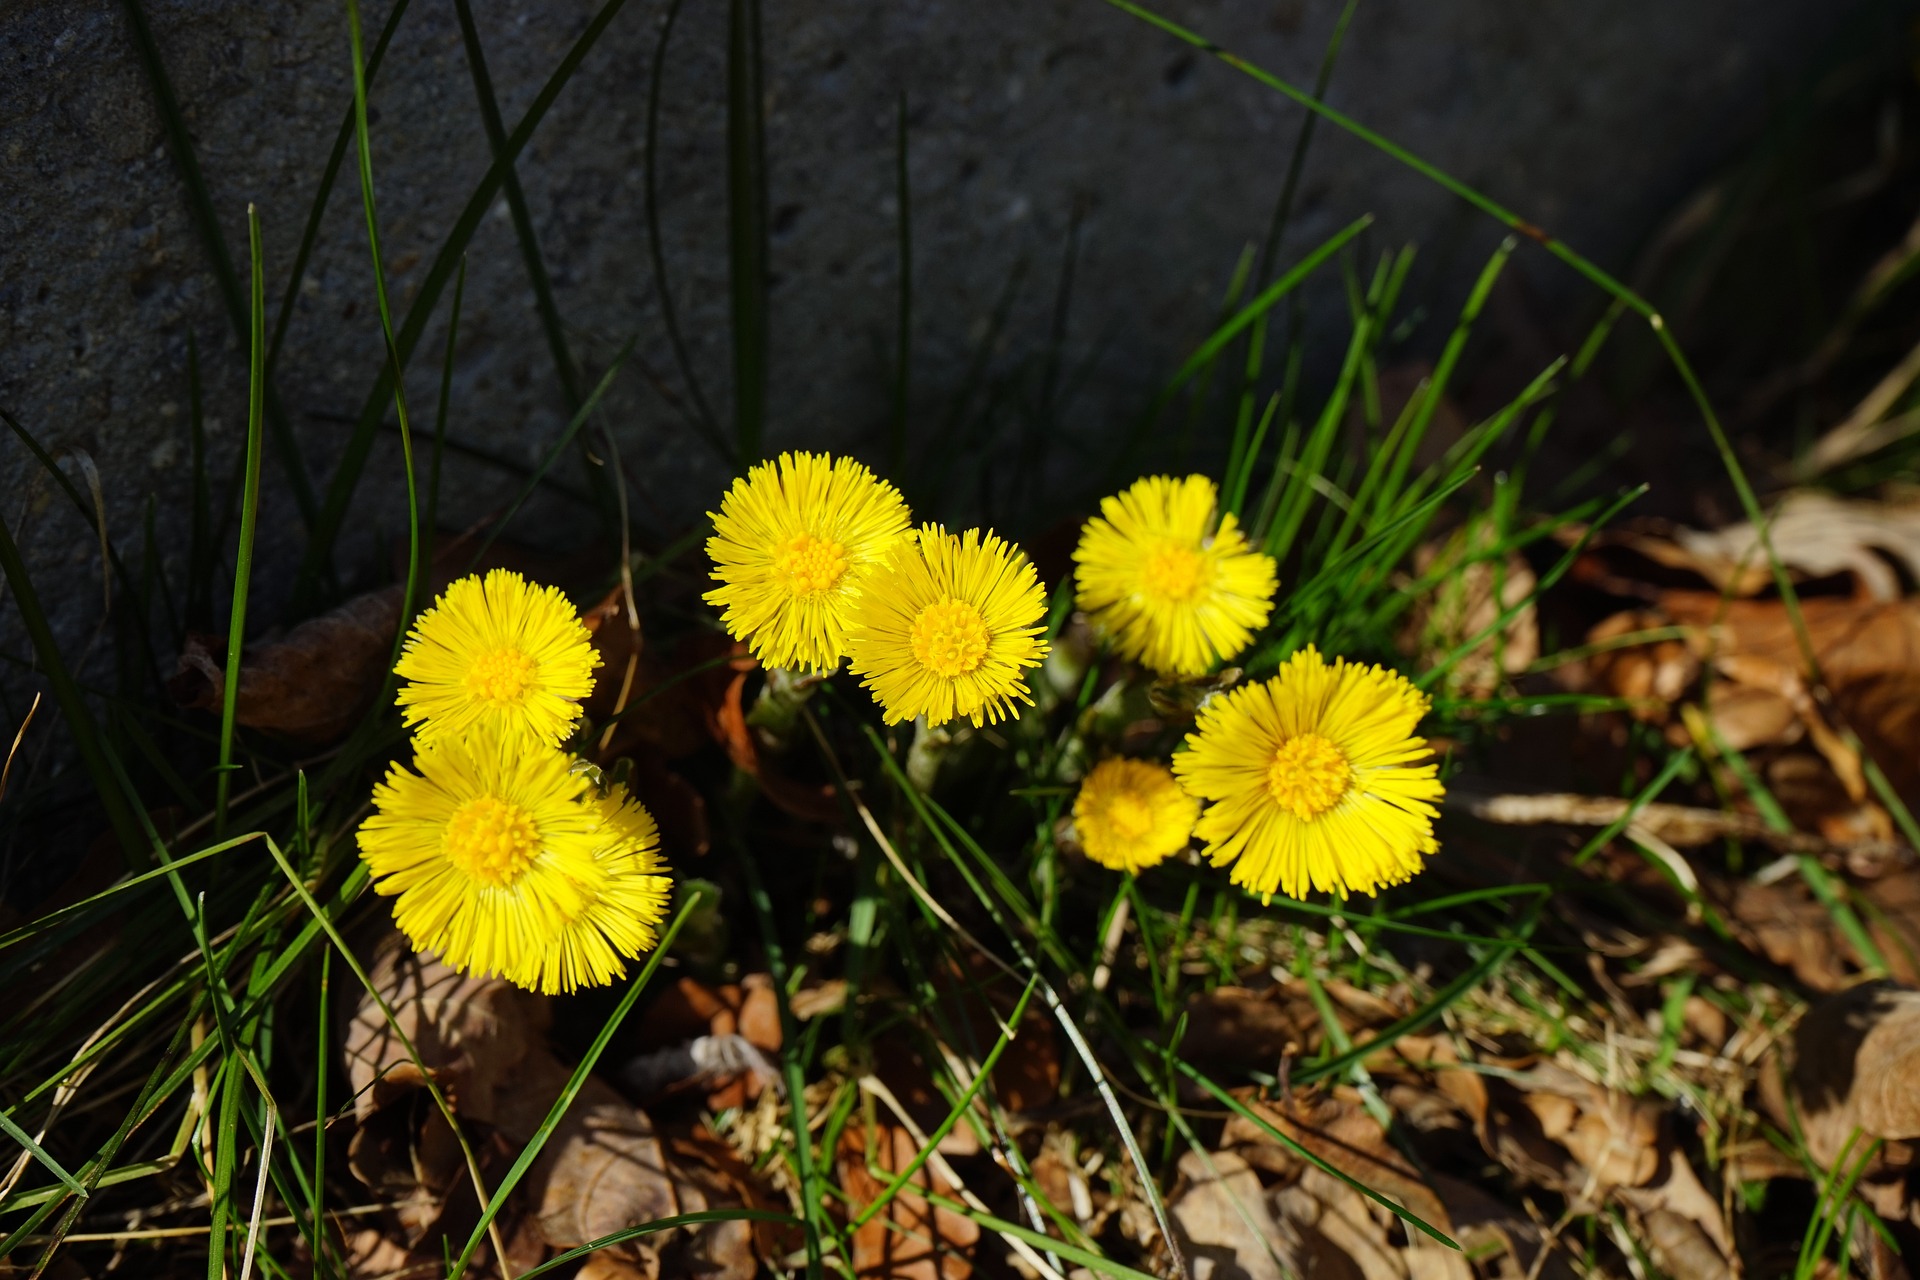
1132,814
947,628
622,919
503,859
1315,779
793,543
1171,589
497,656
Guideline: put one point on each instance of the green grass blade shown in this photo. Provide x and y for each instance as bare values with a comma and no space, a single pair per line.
1723,445
316,212
1297,162
549,312
333,511
563,365
888,1192
1290,497
249,524
54,918
416,549
226,1135
180,143
554,451
1241,1109
659,1224
95,753
316,1204
1208,350
812,1181
34,1149
1546,581
1086,1258
430,522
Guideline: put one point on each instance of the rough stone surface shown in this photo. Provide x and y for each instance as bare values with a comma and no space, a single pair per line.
1025,115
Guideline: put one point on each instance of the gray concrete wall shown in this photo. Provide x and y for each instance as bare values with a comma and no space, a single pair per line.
1589,118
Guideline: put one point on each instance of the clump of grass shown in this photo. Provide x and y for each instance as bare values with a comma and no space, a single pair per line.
174,1060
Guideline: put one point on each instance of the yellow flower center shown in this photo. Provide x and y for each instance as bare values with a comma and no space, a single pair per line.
1308,776
949,638
503,676
491,841
810,565
1129,816
1174,572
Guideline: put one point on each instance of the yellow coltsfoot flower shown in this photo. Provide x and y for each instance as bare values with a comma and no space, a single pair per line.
948,627
497,656
504,860
622,919
1171,589
793,542
1132,814
1315,779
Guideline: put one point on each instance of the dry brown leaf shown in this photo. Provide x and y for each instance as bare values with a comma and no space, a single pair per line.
602,1170
747,1008
910,1239
1225,1230
1681,1248
1505,1243
474,1034
1613,1135
1327,1213
1856,1066
1869,657
311,685
1783,921
1816,535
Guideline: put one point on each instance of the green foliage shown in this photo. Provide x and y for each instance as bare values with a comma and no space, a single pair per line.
210,1050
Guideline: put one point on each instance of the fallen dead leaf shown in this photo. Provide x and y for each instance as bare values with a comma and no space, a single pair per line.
310,685
1330,1221
691,1008
1816,535
1505,1243
1613,1135
1759,693
1225,1229
910,1239
1856,1066
603,1168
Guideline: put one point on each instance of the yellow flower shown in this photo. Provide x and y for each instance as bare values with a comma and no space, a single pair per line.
1132,814
497,656
504,860
1315,779
947,628
622,919
792,545
1173,591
